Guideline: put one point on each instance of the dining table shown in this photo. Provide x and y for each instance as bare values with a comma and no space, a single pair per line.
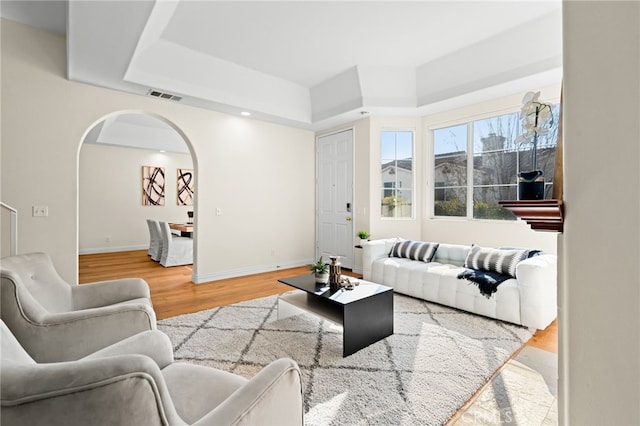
186,229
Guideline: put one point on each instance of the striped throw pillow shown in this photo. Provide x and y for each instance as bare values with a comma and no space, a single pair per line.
496,260
415,250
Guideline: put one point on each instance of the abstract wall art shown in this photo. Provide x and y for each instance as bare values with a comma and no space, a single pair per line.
152,186
185,187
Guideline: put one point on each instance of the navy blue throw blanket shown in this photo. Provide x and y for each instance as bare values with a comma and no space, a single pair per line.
486,281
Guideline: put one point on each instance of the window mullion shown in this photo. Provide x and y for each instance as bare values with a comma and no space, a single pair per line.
395,177
470,170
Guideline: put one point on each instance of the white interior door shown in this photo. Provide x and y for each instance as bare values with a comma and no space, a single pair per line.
335,197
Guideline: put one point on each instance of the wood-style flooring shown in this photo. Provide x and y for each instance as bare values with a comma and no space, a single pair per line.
173,293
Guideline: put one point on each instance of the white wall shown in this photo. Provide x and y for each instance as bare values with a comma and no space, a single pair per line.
45,118
110,201
599,315
481,232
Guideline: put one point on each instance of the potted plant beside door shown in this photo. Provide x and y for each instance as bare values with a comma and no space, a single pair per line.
364,236
536,119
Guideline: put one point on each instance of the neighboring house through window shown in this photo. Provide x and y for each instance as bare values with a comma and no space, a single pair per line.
475,165
397,174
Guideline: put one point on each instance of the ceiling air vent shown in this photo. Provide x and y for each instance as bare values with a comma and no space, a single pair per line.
163,95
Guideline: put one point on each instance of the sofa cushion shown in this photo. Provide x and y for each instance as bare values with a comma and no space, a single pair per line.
495,260
451,254
415,250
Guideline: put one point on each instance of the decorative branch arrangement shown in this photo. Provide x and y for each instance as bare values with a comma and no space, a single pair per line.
536,119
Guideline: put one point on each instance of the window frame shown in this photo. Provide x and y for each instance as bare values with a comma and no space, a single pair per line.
468,121
381,186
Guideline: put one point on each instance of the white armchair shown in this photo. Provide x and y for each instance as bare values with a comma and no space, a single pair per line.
56,321
137,382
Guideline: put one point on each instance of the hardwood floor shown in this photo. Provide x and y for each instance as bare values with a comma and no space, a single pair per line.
173,293
546,339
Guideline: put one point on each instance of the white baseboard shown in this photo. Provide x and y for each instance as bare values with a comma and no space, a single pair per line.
111,249
240,272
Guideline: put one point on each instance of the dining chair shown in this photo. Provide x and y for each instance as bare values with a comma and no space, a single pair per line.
175,250
155,240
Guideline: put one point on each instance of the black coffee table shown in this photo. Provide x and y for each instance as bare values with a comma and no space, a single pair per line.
365,313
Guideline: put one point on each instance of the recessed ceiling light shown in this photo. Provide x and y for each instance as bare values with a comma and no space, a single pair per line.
245,113
162,150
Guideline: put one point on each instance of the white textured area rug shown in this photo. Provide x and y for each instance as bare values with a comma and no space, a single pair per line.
421,375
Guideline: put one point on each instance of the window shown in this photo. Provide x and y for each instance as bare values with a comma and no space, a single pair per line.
397,174
476,164
450,171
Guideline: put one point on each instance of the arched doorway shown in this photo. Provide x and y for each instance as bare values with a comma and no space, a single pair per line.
114,154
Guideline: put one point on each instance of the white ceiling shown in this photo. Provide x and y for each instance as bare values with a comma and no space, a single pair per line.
309,64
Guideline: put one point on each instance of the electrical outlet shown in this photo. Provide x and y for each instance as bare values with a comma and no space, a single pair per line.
218,211
273,252
40,211
107,239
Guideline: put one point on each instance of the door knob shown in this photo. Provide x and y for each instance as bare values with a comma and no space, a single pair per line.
348,218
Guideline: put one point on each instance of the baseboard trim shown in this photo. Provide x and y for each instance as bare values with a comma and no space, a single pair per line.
112,249
241,272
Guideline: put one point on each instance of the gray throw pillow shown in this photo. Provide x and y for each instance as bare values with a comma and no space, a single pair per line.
415,250
495,260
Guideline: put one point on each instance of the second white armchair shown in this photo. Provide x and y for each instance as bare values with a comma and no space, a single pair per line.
137,382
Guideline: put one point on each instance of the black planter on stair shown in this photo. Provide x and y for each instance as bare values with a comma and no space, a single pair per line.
531,185
536,117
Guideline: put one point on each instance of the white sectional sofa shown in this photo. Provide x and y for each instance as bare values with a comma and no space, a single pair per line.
529,299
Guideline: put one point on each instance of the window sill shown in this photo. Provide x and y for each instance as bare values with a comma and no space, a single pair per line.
542,215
